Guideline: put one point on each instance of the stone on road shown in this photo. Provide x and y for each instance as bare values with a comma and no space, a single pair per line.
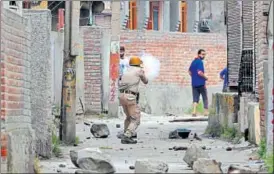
94,161
193,153
206,165
150,166
240,169
99,130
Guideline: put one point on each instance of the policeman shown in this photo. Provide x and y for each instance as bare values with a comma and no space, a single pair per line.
129,89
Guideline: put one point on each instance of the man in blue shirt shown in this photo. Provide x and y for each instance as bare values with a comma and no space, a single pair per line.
224,77
198,82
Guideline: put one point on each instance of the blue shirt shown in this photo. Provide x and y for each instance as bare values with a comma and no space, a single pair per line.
196,66
224,74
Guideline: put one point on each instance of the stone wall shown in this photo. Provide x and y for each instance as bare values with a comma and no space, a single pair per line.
16,119
171,91
41,79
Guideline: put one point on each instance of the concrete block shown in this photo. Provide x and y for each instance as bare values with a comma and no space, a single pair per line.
242,116
254,130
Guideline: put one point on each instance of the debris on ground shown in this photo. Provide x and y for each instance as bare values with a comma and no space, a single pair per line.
92,160
169,114
176,148
87,137
59,170
179,133
240,169
228,149
193,135
86,123
150,166
100,130
193,153
131,167
206,165
189,119
62,165
118,125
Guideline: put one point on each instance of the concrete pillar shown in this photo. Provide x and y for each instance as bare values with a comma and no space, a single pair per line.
174,14
165,24
191,15
141,11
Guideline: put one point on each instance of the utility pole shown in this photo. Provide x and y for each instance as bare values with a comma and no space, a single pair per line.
113,104
68,103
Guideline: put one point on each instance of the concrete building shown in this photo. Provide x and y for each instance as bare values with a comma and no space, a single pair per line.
250,69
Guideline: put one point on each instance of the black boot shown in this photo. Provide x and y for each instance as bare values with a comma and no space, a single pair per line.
120,135
134,136
127,140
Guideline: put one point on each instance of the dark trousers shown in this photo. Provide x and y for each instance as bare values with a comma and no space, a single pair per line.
197,91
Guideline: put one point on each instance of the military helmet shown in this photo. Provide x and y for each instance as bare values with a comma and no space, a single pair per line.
136,61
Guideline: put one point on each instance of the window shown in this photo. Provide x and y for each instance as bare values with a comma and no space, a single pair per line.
132,22
183,9
153,22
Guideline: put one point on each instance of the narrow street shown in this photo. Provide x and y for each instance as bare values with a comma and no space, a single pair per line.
153,144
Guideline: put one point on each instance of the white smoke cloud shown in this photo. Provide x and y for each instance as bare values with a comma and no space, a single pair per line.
151,66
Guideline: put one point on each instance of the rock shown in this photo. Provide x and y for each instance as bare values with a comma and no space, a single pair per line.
93,160
193,153
228,149
150,166
204,147
59,170
83,153
82,171
73,157
118,125
86,123
88,138
62,165
206,165
99,130
239,169
131,167
176,148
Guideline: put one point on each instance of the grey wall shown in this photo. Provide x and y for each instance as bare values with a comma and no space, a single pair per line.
105,51
191,15
214,12
174,15
234,40
80,74
57,47
41,78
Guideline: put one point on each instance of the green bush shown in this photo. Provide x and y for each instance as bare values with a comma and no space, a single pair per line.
200,109
56,146
269,163
262,149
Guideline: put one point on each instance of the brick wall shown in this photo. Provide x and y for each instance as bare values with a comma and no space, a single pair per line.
15,94
261,51
103,20
174,50
92,65
234,39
